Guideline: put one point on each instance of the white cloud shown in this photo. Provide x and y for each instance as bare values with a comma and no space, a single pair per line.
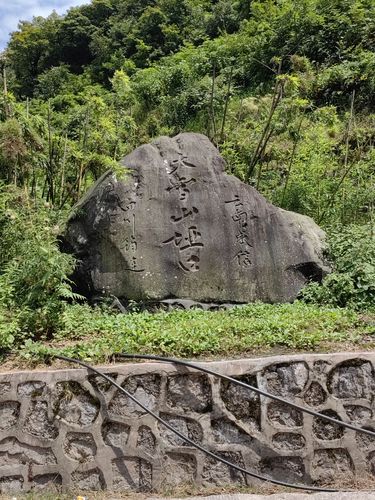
12,11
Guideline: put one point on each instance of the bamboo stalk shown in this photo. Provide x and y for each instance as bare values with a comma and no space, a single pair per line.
212,109
227,97
63,169
292,156
346,167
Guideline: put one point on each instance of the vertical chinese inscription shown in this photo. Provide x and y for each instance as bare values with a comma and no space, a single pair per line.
240,217
187,237
130,244
124,212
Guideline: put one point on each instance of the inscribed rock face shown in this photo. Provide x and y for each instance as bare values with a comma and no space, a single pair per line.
178,226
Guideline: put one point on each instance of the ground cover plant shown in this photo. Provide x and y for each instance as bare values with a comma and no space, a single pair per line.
244,330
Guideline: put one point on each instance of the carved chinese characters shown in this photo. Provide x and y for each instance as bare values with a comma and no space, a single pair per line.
243,245
187,237
121,216
189,244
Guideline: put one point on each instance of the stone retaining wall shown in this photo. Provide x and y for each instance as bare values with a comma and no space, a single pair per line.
70,428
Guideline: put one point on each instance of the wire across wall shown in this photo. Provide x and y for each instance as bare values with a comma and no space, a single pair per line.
240,383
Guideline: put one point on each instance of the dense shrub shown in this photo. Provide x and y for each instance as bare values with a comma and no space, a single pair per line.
352,283
33,272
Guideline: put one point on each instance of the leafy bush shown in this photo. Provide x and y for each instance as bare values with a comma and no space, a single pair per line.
33,272
352,284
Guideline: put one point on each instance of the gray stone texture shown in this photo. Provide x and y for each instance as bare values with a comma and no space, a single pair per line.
66,428
178,226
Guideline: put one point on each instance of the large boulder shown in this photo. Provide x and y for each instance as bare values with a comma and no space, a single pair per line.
176,225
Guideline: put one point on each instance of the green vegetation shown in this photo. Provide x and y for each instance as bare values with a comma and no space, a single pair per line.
96,334
285,89
34,283
352,284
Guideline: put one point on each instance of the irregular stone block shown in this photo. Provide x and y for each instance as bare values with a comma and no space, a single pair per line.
115,434
9,413
315,395
364,440
352,379
37,422
189,392
80,447
286,379
331,464
91,480
75,405
11,484
101,384
358,414
46,481
145,388
179,469
13,452
156,233
31,389
131,473
146,440
186,426
243,403
325,430
225,431
289,469
217,473
4,388
284,415
288,441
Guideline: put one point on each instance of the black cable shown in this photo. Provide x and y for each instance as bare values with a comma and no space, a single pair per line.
248,386
187,439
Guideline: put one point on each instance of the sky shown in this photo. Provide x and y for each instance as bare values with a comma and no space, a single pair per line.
11,11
